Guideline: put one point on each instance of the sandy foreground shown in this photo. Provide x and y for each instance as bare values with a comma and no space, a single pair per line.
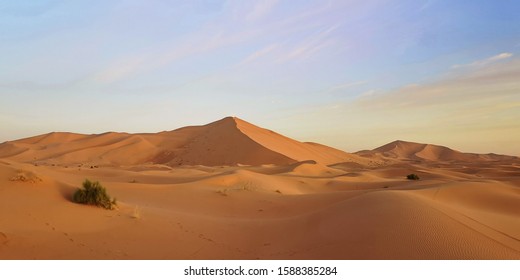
361,207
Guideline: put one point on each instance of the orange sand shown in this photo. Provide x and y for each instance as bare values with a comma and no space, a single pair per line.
231,190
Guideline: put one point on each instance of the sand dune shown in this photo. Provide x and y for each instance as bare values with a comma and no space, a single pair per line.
243,192
229,141
403,150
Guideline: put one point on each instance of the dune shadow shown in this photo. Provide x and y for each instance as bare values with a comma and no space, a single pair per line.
67,191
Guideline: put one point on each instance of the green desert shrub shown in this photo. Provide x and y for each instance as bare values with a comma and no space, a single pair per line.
412,177
93,193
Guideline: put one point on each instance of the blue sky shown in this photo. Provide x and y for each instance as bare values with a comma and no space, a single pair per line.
350,74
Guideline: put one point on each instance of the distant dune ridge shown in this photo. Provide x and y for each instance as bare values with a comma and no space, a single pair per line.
417,151
232,190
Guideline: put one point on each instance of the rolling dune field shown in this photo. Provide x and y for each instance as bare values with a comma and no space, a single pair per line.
232,190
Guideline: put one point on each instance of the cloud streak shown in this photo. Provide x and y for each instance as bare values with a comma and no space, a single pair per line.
484,62
488,83
259,54
304,37
310,45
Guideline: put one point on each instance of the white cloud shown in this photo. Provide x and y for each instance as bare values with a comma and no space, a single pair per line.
484,62
501,56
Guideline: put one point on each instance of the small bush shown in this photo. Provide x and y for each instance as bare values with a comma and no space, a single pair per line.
412,177
93,193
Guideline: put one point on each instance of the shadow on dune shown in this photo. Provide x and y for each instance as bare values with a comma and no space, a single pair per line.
67,191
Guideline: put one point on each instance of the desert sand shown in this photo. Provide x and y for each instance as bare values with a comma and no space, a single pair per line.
232,190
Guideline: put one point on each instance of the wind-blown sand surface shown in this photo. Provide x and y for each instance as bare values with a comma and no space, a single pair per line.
231,190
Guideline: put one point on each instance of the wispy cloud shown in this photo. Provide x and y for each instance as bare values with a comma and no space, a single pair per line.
120,69
347,85
208,38
484,62
306,50
490,82
211,38
474,111
261,9
311,45
200,43
258,54
242,25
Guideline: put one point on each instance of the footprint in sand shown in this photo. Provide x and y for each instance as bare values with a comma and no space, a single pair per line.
201,236
3,238
49,225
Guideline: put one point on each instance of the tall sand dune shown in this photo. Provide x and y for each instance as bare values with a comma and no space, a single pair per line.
230,141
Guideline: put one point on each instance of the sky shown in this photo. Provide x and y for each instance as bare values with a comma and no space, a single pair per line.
349,74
